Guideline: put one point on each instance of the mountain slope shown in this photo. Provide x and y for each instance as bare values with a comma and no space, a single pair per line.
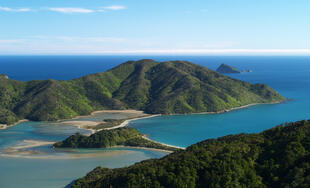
279,157
169,87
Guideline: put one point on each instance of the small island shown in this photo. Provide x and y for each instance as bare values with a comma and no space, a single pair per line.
227,69
124,136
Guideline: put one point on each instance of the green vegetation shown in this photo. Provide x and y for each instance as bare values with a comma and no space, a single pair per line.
279,157
165,88
226,69
125,136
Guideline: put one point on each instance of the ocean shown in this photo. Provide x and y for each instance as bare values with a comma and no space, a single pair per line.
290,75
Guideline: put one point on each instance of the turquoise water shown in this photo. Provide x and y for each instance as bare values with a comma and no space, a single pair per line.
56,173
289,75
56,168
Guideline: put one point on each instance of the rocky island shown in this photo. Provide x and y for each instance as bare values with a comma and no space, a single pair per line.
173,87
227,69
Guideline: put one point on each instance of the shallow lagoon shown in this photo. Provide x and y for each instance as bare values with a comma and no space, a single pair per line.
47,167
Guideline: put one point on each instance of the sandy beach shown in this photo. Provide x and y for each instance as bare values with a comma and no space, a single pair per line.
144,148
90,125
2,126
145,137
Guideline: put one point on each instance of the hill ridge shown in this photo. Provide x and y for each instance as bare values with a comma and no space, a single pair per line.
156,88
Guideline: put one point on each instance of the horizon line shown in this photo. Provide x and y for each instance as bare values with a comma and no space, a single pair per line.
251,52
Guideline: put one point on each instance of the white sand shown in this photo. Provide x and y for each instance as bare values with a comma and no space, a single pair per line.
2,126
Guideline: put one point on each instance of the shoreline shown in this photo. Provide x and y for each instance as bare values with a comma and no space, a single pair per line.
234,108
246,106
177,147
126,122
81,124
5,126
143,148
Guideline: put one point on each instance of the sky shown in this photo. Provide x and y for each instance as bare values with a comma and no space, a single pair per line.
155,27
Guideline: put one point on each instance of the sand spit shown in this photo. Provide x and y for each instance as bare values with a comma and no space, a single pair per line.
126,122
26,149
145,137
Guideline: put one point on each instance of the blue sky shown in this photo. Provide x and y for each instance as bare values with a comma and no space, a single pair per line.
154,27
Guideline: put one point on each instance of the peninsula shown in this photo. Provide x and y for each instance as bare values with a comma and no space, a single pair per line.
124,136
155,88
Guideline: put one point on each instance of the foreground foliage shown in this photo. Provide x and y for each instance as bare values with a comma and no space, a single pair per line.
279,157
125,136
164,88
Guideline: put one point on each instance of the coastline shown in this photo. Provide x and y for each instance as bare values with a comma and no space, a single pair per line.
5,126
177,147
130,111
144,148
235,108
87,125
246,106
126,122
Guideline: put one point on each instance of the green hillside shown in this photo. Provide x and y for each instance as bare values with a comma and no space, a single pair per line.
279,157
125,136
166,88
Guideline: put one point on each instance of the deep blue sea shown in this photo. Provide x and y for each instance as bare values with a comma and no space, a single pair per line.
287,74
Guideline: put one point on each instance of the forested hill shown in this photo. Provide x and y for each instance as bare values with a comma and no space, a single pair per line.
279,157
124,136
168,87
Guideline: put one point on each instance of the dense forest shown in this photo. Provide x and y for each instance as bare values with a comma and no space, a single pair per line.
278,157
125,136
156,88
